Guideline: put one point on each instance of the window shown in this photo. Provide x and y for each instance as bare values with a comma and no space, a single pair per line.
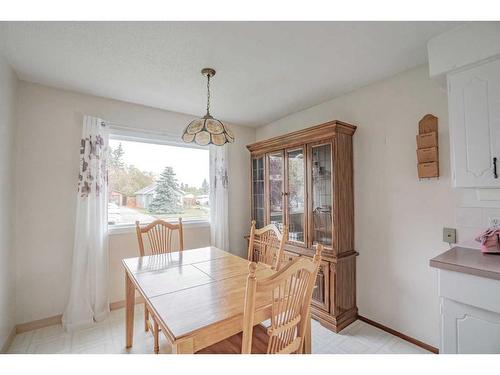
151,180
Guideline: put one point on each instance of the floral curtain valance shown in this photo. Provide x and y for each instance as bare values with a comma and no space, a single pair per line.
93,158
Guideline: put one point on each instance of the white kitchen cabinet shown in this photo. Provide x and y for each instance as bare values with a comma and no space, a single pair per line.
470,314
469,291
474,117
467,329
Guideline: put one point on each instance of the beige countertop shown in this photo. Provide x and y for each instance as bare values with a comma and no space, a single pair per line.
470,261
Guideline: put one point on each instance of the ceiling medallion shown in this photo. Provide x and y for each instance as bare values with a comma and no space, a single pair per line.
208,130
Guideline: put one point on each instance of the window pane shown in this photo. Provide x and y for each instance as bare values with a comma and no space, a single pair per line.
149,181
322,194
258,191
296,192
276,189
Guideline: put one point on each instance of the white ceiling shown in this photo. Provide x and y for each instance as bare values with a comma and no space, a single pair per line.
265,70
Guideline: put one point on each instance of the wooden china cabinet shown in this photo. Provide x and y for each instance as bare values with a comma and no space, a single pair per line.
304,180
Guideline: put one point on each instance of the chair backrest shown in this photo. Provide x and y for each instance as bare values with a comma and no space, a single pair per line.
266,245
159,234
291,291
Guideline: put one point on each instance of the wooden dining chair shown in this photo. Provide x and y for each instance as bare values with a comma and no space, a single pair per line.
159,236
266,245
290,291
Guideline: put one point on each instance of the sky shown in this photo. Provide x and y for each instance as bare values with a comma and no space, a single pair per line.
189,164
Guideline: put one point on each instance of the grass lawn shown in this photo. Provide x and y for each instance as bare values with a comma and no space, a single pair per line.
192,213
128,215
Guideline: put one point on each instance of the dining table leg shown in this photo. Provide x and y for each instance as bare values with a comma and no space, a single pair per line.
129,310
185,346
307,336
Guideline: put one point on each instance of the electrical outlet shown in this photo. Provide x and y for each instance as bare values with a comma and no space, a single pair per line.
449,235
494,221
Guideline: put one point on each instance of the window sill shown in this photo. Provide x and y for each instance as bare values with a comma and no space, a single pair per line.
130,228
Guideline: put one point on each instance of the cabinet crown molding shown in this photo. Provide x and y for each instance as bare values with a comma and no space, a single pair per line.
464,46
310,134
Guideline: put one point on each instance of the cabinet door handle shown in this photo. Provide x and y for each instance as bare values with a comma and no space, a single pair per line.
495,174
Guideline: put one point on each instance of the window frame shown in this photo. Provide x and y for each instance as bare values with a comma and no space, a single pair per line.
120,133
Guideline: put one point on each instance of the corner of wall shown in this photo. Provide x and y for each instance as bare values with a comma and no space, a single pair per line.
8,98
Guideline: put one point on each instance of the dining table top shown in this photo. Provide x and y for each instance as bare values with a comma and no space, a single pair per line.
197,294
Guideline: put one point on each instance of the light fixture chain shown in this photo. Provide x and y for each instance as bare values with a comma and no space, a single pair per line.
208,94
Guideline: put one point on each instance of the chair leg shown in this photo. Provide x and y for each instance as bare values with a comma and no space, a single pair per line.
146,318
156,337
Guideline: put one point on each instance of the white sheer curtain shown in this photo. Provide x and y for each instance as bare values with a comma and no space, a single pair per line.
88,301
219,222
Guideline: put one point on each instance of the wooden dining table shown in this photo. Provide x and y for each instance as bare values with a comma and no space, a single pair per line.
196,296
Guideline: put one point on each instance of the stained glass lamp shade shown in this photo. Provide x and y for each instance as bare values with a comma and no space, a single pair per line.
208,130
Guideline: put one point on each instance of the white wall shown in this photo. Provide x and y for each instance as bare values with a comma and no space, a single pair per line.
48,134
398,219
8,87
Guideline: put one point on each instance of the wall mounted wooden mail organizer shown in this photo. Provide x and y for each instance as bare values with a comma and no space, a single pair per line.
427,147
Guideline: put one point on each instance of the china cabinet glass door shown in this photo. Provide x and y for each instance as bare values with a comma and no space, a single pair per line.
295,195
321,194
276,193
258,212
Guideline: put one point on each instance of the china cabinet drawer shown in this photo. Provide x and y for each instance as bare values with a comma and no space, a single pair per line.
288,257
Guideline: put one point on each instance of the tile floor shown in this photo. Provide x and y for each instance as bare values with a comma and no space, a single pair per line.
108,337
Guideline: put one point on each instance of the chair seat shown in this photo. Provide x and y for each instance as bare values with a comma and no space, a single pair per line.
232,345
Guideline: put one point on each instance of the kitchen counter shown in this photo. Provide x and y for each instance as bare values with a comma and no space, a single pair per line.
470,261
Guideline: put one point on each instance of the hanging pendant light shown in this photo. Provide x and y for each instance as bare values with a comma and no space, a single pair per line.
208,130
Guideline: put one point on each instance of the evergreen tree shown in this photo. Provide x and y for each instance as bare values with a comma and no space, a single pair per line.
204,187
166,198
124,178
